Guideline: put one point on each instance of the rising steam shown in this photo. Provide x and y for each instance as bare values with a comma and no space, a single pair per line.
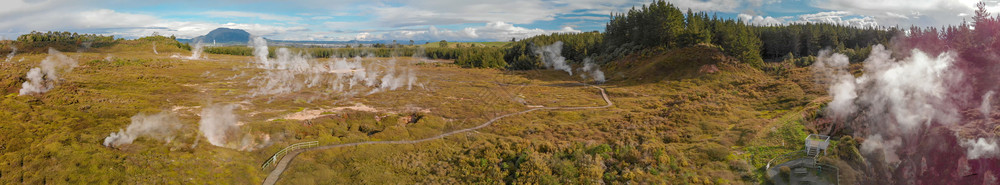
154,49
981,148
196,51
832,68
552,57
593,69
160,126
917,115
222,128
13,51
293,71
44,78
218,124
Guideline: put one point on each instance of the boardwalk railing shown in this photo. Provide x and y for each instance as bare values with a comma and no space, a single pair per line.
284,151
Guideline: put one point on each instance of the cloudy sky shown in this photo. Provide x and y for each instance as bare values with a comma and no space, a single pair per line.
463,20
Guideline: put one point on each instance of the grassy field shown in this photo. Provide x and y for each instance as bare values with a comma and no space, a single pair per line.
686,116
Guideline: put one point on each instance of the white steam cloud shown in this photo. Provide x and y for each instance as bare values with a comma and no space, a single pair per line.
832,69
985,106
899,96
222,128
593,69
13,51
552,57
980,148
196,51
259,45
154,49
42,79
160,126
877,145
218,124
911,91
292,71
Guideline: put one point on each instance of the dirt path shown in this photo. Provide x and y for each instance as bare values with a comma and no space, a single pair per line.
287,160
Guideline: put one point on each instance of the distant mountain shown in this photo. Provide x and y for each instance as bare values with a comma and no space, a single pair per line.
224,35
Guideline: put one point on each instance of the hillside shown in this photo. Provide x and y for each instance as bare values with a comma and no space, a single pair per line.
224,36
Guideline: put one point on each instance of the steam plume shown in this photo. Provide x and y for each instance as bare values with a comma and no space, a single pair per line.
832,69
222,128
42,79
552,57
593,69
195,52
985,107
259,45
154,49
981,148
161,126
918,115
293,71
11,55
218,124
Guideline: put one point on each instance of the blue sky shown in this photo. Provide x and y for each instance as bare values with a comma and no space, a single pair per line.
456,20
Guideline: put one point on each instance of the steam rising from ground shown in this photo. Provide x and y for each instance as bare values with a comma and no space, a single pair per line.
833,69
985,107
552,57
918,115
154,49
593,69
981,148
161,126
44,78
195,52
293,71
13,51
900,96
218,124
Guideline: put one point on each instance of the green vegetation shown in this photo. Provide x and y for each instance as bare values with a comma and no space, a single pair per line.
695,103
39,42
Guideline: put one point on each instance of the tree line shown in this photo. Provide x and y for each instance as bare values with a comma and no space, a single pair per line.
39,42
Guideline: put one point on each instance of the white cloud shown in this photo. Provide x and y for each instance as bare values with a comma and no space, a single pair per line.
710,5
838,18
493,31
445,12
908,12
832,17
728,6
761,20
590,18
262,16
111,22
321,17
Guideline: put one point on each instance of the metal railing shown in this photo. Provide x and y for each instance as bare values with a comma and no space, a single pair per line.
284,151
784,157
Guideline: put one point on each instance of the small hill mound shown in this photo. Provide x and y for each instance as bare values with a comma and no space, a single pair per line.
224,35
674,64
